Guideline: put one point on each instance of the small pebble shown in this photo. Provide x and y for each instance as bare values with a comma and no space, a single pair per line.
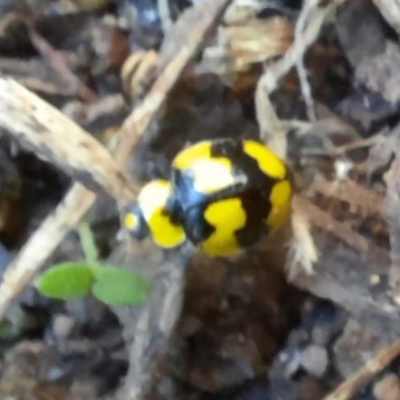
314,359
63,326
388,388
54,374
342,168
397,300
374,279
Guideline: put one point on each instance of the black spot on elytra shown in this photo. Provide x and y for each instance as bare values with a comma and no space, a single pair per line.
243,164
174,211
196,227
257,207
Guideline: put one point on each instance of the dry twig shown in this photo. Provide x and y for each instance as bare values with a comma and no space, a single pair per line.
154,326
352,193
309,24
59,64
316,16
42,243
351,386
53,137
390,10
341,230
139,120
305,15
393,219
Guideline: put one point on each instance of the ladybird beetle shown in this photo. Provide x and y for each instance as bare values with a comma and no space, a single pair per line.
229,193
223,196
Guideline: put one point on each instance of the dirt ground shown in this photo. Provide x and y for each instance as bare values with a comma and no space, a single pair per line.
98,96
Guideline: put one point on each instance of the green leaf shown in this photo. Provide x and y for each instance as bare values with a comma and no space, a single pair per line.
88,243
115,286
66,281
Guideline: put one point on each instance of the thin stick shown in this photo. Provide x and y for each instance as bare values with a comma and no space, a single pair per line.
310,32
390,10
43,242
341,230
55,138
154,326
140,120
392,215
272,130
368,201
305,14
351,386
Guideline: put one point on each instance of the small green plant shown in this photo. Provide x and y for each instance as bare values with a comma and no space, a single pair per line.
109,284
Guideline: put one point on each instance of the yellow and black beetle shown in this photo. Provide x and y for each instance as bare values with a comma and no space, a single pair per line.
223,196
